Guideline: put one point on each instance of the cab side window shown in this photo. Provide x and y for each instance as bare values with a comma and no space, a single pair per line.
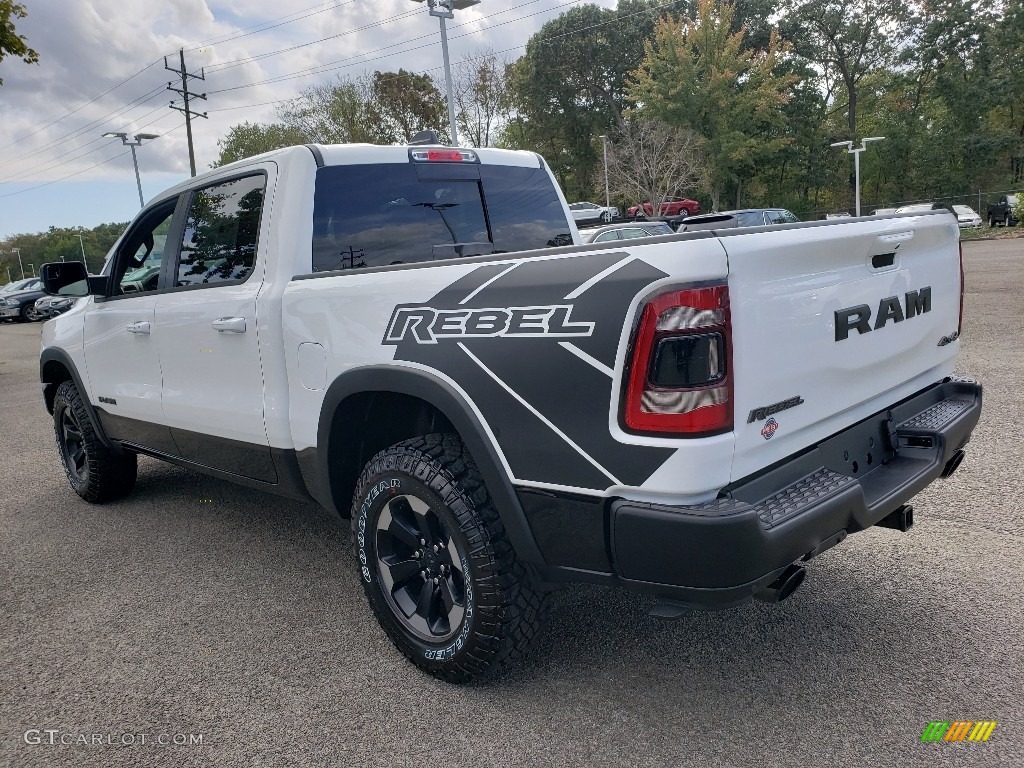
221,229
137,269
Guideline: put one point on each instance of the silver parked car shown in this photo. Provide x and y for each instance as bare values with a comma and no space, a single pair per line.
626,231
593,212
966,217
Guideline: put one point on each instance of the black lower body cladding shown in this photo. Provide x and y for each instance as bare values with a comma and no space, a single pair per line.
723,552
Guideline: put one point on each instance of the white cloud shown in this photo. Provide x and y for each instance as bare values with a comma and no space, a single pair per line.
86,48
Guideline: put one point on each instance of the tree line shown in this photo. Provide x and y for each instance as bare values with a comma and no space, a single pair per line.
57,244
755,91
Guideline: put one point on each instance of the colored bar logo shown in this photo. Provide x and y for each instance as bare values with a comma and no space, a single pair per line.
960,730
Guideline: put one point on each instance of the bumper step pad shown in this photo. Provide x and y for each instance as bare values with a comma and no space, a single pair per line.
801,495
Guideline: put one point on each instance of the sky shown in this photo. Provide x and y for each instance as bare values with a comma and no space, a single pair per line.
101,69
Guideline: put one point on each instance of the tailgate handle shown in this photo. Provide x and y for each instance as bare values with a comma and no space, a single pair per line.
895,238
883,260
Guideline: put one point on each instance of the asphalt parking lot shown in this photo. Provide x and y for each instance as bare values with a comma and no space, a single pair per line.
198,608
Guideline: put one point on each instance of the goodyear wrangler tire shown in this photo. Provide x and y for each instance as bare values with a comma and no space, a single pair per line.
96,473
436,565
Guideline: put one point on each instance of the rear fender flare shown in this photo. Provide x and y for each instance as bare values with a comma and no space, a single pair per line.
446,399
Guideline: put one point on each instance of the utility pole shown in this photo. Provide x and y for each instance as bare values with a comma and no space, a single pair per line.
185,75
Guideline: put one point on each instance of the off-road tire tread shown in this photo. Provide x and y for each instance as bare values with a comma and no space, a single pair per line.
442,462
112,473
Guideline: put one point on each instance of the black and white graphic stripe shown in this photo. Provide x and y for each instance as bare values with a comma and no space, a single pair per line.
545,397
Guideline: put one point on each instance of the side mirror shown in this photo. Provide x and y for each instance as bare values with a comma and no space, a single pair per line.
65,278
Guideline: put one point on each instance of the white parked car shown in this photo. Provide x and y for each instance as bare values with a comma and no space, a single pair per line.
966,216
593,212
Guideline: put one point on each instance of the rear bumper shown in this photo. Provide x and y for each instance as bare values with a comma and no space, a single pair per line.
721,553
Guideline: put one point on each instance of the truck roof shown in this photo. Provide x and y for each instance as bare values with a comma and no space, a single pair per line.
358,154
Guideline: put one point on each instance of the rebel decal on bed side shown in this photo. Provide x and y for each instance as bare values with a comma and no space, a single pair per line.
505,335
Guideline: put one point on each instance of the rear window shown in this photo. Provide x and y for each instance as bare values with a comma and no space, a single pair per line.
780,216
396,213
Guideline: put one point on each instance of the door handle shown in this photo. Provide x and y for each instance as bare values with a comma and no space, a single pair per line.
139,326
229,324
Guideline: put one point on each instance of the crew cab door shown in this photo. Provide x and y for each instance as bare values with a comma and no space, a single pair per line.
121,353
212,376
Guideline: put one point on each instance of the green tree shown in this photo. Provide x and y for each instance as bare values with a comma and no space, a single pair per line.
1006,118
481,98
336,113
11,43
248,139
570,86
698,74
848,40
404,103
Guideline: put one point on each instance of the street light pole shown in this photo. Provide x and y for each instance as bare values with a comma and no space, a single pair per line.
81,243
607,195
20,264
136,142
855,151
443,10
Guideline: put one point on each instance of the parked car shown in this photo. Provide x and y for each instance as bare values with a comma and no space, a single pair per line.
20,285
922,207
843,215
883,212
21,305
672,208
593,212
966,217
751,217
1004,212
51,306
626,231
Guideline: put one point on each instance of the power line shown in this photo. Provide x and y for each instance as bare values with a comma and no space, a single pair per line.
80,106
244,32
77,173
146,97
320,69
57,162
221,66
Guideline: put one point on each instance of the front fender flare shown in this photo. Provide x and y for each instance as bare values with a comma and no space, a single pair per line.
57,355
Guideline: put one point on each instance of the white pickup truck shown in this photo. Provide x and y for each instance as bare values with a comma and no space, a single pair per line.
414,337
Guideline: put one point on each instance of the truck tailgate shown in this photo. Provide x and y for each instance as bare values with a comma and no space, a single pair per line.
832,323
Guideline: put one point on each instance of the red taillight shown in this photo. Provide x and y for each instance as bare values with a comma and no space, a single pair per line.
960,323
680,381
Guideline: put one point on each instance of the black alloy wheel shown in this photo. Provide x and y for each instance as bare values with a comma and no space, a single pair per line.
421,568
436,564
97,470
72,447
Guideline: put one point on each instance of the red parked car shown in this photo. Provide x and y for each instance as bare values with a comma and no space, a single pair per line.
673,207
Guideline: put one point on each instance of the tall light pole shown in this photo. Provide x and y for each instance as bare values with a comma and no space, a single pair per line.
443,10
82,243
138,138
20,264
855,151
607,195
